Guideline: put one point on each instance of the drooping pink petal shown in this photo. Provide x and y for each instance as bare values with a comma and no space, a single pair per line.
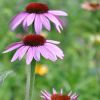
14,44
30,18
58,13
45,22
22,52
46,92
70,93
29,56
58,28
74,96
61,91
51,55
52,18
52,41
16,55
25,25
54,91
51,51
38,24
43,52
61,22
13,47
58,52
17,20
45,95
36,53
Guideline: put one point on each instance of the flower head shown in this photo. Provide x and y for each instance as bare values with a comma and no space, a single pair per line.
41,69
39,15
58,96
91,6
95,39
33,46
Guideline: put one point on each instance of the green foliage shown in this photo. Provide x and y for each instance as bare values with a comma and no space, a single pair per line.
79,69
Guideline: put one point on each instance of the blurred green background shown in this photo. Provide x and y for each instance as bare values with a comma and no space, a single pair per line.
78,72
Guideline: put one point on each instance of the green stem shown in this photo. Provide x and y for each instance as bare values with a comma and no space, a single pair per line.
30,80
97,60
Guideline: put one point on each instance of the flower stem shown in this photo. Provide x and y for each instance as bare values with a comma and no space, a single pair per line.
30,80
97,61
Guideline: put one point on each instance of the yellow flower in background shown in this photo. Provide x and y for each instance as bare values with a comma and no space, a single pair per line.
41,69
95,39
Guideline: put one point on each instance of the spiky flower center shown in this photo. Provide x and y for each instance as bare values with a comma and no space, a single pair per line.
34,40
60,97
36,8
94,5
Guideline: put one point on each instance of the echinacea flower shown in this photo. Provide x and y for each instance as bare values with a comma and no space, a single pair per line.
58,96
91,6
38,15
33,46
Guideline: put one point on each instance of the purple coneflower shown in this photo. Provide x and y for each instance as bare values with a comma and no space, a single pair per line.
91,6
33,46
39,15
55,96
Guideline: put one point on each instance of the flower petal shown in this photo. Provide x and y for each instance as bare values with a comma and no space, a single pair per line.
25,25
17,20
70,93
36,53
61,91
29,55
54,20
45,22
58,52
61,22
43,52
13,47
38,24
58,13
30,19
16,55
14,44
58,28
52,41
45,95
54,91
23,50
51,55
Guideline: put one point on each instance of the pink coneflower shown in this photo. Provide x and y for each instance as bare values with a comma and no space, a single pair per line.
91,6
39,15
55,96
33,46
